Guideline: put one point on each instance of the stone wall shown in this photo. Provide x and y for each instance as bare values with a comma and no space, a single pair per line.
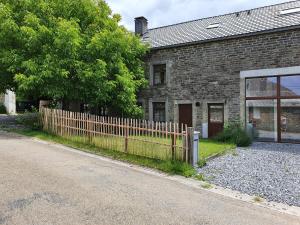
210,72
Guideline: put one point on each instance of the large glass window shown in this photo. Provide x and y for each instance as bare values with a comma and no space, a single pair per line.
262,119
290,120
159,111
260,87
290,86
159,74
273,110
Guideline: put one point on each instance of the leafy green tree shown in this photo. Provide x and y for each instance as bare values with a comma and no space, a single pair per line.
71,51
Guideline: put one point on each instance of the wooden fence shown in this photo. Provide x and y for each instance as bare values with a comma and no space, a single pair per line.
165,141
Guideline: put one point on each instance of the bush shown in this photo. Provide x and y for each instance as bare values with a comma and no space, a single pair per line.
234,133
2,109
202,163
29,120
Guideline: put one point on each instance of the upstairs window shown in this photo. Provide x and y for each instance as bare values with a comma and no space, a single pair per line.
213,26
290,11
159,74
159,111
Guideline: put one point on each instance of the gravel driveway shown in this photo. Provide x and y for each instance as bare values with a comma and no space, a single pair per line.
268,170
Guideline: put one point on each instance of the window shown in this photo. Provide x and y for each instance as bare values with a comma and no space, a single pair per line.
159,74
159,111
290,120
290,86
273,108
262,118
212,26
261,87
290,11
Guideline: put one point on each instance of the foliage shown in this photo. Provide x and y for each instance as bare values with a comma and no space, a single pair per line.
177,167
200,176
207,186
70,50
234,133
2,109
258,199
29,120
202,162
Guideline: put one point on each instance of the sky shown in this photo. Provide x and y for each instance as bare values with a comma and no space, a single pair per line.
166,12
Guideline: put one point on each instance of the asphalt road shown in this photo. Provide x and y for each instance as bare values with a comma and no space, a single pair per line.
45,184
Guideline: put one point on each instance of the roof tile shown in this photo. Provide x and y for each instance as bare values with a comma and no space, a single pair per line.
259,20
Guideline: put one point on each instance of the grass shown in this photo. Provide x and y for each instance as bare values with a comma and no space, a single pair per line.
206,186
209,148
200,177
170,167
258,199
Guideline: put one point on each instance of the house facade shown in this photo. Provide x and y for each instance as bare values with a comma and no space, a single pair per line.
242,66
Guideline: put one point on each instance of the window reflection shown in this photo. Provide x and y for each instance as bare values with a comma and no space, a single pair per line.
262,119
261,87
290,86
290,120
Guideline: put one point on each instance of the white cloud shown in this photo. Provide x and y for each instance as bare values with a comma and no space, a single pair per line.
165,12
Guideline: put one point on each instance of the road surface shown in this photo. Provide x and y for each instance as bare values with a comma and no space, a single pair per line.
45,184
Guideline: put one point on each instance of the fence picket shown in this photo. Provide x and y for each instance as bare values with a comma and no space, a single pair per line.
158,140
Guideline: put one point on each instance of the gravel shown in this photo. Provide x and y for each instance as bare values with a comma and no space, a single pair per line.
267,170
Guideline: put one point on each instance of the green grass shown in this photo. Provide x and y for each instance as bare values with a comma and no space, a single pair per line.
209,148
207,186
258,199
170,167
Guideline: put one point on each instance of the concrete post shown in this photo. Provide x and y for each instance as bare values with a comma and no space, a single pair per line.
193,146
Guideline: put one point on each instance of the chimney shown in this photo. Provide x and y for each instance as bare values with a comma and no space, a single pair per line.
141,25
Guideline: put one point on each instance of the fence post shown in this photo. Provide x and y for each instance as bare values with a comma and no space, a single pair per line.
193,139
126,135
173,143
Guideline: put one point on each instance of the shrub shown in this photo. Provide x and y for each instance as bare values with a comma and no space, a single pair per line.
202,163
234,133
243,140
29,120
2,109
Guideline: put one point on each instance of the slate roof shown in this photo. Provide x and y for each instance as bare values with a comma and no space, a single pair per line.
247,22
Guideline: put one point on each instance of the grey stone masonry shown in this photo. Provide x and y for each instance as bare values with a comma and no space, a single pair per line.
210,72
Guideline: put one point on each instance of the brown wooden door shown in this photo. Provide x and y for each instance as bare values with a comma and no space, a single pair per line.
186,114
215,119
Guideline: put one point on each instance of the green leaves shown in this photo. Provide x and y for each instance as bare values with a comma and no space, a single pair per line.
70,50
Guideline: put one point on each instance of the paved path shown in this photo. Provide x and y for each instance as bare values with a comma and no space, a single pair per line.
45,184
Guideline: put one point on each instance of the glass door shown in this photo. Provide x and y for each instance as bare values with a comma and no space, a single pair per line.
215,119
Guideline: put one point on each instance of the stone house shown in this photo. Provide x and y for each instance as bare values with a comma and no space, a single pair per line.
239,66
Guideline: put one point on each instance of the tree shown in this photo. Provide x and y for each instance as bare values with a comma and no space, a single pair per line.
70,50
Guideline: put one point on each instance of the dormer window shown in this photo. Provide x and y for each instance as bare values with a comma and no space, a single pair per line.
213,26
159,74
290,11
